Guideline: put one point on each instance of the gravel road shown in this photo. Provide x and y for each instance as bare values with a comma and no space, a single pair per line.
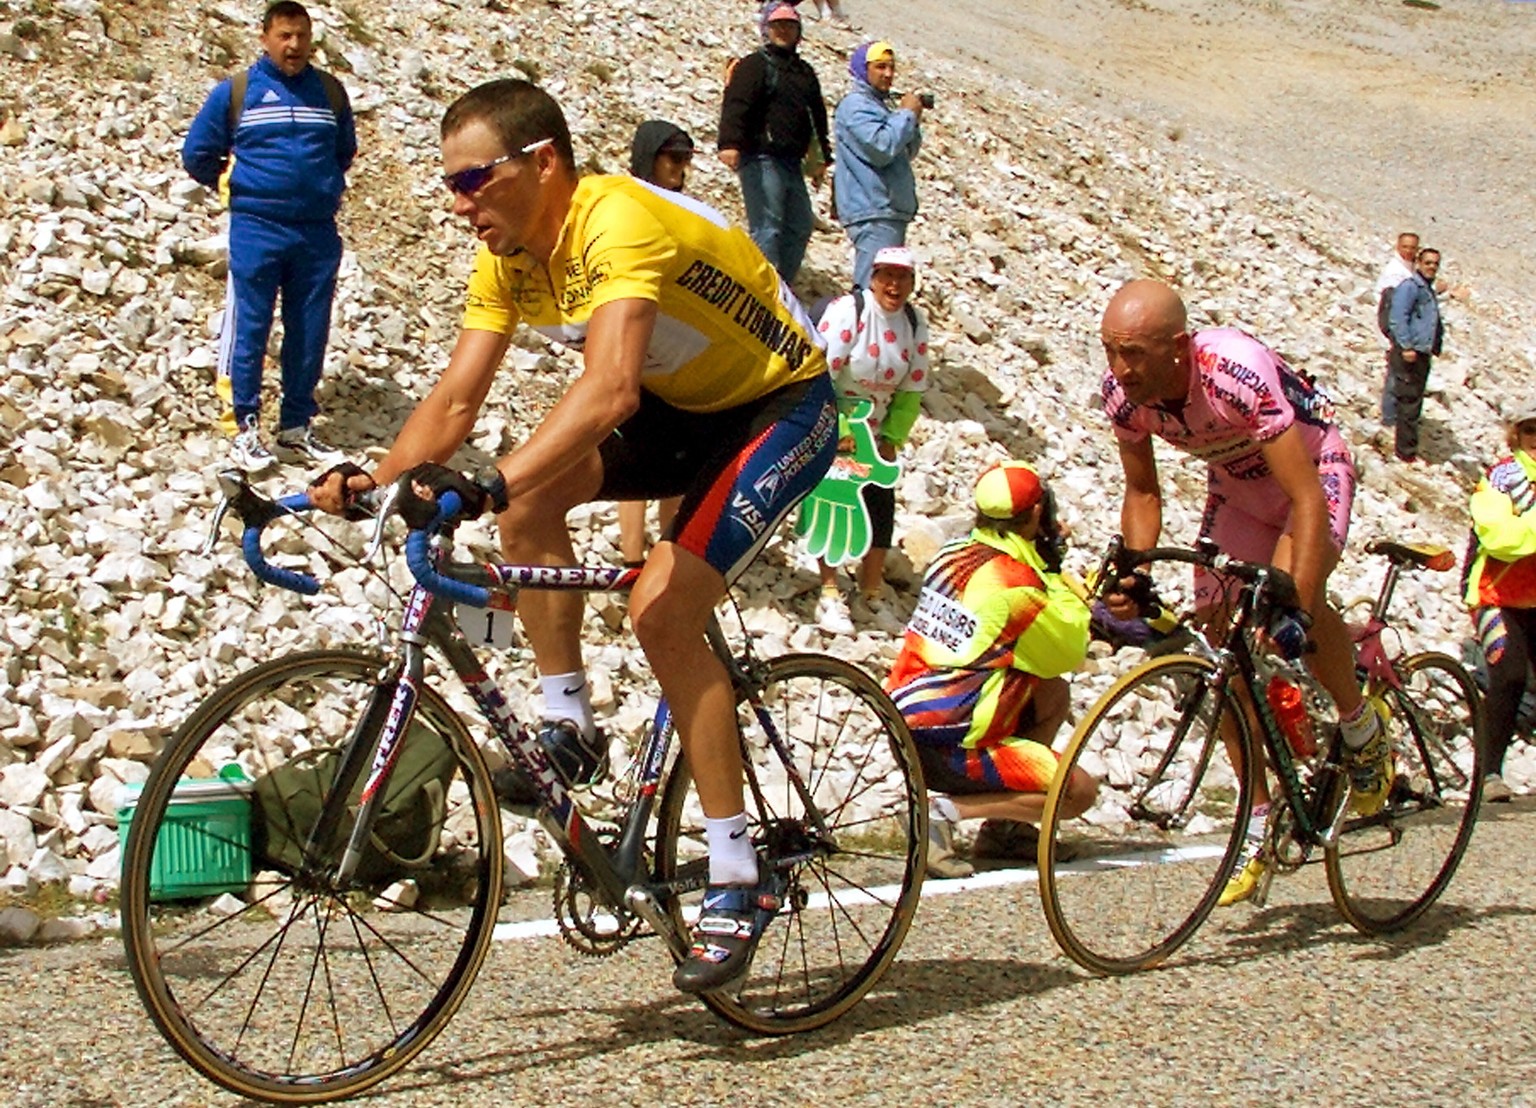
1281,1005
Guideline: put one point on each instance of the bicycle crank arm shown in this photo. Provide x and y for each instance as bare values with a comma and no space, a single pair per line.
641,900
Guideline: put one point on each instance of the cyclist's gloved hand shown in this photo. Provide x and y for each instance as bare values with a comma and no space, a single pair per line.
422,486
1133,597
336,491
1288,631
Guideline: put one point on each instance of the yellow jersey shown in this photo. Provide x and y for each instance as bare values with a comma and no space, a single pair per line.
728,330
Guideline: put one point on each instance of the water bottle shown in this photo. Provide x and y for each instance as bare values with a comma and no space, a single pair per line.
1289,705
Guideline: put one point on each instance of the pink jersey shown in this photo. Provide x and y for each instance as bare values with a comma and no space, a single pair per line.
1241,395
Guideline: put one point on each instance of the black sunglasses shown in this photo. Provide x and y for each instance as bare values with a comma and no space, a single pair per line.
467,182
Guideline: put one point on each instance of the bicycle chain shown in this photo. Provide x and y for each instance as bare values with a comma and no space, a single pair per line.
588,927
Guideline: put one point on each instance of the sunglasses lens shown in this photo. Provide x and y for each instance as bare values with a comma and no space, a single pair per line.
467,182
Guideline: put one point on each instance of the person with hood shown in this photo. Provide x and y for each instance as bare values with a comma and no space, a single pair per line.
771,113
981,676
1501,587
659,154
876,142
282,150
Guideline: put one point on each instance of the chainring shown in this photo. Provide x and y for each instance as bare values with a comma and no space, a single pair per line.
588,925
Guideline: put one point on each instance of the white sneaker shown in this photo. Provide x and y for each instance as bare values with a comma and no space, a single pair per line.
1496,790
832,613
302,443
248,451
943,862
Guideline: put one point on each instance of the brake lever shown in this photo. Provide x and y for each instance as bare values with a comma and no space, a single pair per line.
384,504
231,485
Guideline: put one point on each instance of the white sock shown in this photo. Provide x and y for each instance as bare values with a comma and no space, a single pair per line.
567,696
732,861
1256,821
1359,727
945,807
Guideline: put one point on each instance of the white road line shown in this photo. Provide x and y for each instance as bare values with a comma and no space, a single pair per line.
989,879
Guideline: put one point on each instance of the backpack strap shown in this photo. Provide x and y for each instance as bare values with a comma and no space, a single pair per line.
237,86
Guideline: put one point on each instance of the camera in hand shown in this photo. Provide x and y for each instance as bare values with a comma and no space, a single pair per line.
925,99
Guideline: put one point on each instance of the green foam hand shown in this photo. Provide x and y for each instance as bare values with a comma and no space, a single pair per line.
833,518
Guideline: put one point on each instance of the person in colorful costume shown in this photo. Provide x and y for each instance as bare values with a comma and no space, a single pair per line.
980,678
1501,587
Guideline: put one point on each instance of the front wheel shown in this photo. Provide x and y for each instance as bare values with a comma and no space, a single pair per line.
259,967
1126,883
853,856
1385,870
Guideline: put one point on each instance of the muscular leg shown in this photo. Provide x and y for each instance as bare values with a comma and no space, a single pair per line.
669,609
533,531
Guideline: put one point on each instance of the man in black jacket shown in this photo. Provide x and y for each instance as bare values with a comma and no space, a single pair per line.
771,112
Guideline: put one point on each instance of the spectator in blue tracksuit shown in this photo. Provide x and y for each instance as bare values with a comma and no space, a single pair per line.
286,148
876,192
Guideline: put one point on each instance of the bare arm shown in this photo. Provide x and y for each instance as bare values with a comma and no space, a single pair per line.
606,394
1311,550
1141,512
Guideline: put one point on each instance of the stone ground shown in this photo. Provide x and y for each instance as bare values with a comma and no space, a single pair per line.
1411,113
1282,1005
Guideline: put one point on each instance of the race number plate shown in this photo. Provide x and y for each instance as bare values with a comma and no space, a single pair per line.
489,626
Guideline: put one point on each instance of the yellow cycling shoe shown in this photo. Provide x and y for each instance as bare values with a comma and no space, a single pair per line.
1245,879
1370,774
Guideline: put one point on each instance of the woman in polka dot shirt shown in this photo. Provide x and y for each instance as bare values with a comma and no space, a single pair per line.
878,351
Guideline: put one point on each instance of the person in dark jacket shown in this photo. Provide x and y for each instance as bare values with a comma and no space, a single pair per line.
771,113
1416,333
286,148
660,153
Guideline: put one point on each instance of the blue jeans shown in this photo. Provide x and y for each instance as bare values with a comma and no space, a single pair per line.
778,210
298,260
869,237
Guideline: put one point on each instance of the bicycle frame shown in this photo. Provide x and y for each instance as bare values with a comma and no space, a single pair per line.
617,876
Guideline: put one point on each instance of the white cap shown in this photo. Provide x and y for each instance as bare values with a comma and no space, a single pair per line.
898,256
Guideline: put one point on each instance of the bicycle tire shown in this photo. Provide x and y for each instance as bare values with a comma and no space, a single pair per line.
1384,871
301,991
852,892
1123,885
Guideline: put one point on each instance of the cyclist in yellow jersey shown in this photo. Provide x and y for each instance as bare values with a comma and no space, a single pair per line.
701,377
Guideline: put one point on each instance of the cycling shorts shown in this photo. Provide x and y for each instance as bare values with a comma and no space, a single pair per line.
1013,765
739,471
1245,519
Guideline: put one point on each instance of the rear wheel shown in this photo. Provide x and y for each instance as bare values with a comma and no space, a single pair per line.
853,860
1127,882
259,968
1385,870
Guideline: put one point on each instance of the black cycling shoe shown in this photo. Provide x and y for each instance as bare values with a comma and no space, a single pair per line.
577,761
731,921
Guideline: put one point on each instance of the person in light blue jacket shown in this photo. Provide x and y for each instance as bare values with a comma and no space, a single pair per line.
281,152
876,142
1416,332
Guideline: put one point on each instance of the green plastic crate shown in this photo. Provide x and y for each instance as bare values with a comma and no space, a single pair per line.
204,844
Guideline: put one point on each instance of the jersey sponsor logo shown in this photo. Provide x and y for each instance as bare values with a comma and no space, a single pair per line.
723,292
943,621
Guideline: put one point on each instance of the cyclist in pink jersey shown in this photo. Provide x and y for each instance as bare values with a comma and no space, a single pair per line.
1280,485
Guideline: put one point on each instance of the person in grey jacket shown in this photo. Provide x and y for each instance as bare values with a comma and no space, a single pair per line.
1416,333
876,142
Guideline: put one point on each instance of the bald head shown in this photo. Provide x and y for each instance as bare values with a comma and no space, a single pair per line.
1145,308
1144,331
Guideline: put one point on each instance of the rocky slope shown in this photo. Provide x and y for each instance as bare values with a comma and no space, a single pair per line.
115,623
